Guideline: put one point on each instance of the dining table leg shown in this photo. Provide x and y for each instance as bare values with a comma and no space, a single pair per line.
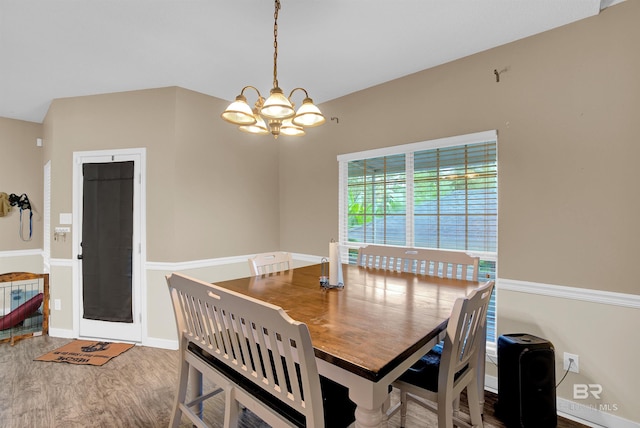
366,418
370,397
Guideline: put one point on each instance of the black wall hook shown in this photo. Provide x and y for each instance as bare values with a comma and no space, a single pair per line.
498,73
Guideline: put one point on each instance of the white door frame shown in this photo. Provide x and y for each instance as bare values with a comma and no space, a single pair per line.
46,224
138,331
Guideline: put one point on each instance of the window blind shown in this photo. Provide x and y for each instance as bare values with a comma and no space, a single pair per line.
455,198
377,200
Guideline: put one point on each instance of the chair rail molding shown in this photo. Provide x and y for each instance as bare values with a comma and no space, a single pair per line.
572,293
220,261
21,253
61,262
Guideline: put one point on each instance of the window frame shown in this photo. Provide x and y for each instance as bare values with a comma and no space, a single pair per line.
408,150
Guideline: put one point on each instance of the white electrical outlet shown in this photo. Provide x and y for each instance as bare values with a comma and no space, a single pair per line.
575,364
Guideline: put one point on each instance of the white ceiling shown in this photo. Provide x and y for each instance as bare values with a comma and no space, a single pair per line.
65,48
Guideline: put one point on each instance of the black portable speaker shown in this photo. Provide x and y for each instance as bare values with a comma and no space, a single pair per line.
526,382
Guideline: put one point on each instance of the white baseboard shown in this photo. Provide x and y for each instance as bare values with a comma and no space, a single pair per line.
150,341
160,343
62,333
491,383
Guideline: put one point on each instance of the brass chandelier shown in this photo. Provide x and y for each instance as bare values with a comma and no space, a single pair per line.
276,114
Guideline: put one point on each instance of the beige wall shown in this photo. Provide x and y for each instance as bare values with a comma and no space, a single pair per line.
16,261
61,289
226,185
565,110
21,171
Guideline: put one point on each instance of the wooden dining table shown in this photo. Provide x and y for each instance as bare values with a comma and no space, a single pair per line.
367,333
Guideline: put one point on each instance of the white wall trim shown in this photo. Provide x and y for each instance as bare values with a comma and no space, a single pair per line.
195,264
162,266
221,261
307,257
149,341
491,383
161,343
61,332
572,293
61,262
21,253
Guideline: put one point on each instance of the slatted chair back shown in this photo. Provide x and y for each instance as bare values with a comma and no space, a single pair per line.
266,263
256,345
466,332
443,263
457,368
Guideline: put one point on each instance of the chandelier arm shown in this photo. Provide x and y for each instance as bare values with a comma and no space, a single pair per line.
251,87
306,95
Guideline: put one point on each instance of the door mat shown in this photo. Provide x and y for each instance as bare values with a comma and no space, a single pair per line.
86,352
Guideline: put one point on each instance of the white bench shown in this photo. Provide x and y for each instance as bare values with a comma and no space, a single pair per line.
252,350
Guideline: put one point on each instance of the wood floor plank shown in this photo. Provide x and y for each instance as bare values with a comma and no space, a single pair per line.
135,389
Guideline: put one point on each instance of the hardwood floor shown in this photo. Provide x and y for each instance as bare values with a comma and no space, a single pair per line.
136,389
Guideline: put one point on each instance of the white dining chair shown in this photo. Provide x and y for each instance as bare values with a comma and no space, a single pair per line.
437,379
266,263
443,263
422,261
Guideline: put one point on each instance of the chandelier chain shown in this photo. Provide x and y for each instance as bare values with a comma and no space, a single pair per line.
275,45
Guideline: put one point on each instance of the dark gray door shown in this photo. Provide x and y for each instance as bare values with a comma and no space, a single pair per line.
107,241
